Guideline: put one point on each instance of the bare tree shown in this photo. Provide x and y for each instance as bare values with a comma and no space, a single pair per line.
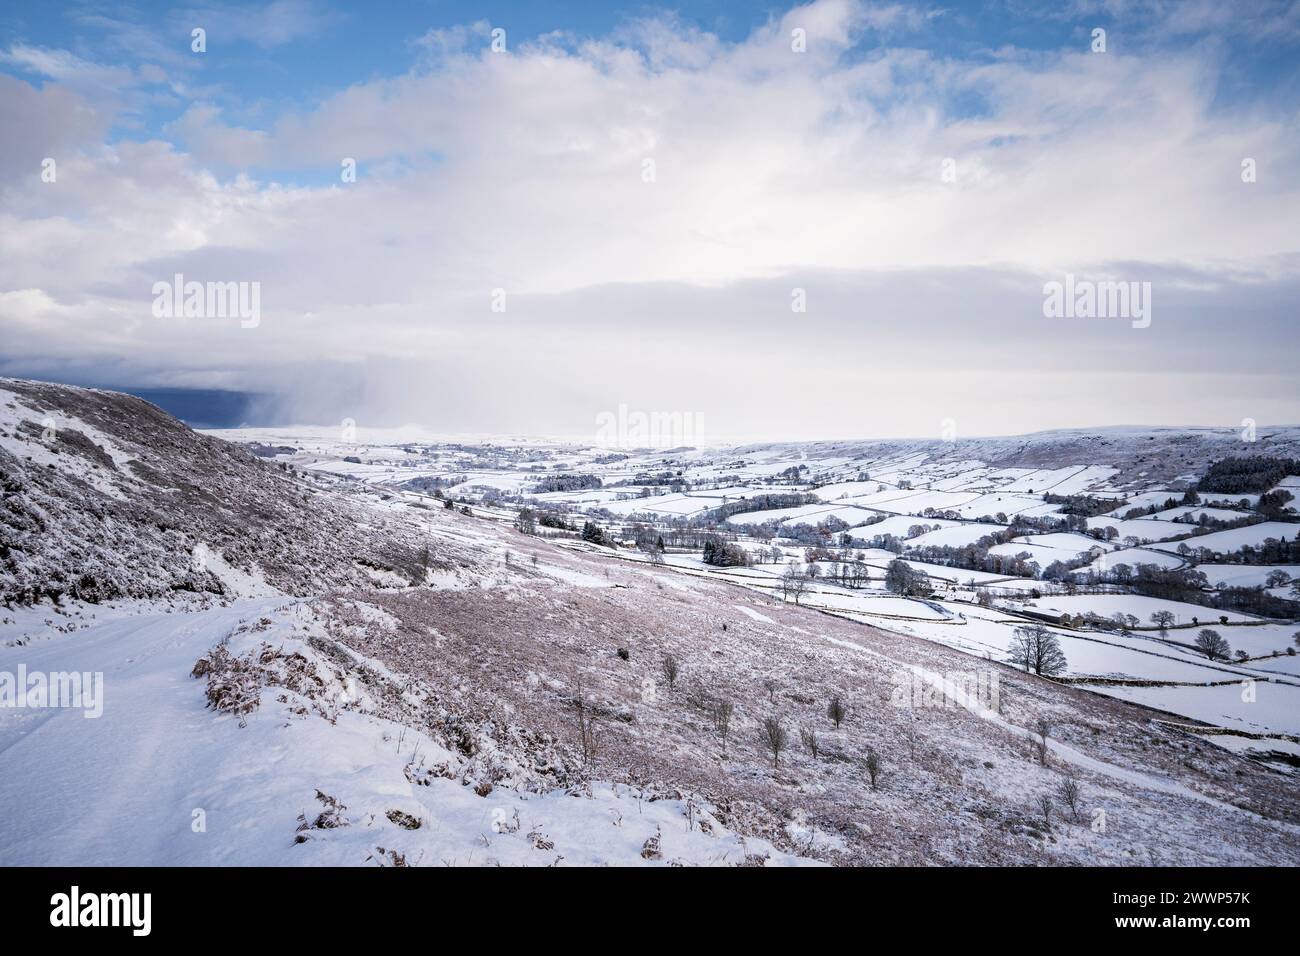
770,685
1070,796
909,734
873,766
721,713
1037,650
809,738
670,671
1042,732
775,738
1162,620
793,584
1045,808
1212,645
586,726
835,711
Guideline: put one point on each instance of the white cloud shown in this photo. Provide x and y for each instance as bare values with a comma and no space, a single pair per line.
524,171
66,68
265,25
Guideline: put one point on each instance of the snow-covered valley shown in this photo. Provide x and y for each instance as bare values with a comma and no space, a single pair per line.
332,666
941,510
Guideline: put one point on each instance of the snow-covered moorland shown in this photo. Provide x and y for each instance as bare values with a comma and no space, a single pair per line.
349,672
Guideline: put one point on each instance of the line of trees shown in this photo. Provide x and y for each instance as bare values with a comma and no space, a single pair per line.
1252,474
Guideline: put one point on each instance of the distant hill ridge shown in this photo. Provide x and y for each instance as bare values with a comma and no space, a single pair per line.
1143,456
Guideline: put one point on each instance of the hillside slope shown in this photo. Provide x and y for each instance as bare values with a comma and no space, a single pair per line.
106,496
507,701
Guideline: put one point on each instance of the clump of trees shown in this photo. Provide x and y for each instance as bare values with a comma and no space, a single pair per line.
1171,584
1254,600
762,502
902,578
1277,578
850,573
566,483
1190,586
1250,474
724,554
972,557
648,540
1084,506
1273,505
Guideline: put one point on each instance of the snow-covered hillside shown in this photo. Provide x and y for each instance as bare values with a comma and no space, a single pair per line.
105,496
492,696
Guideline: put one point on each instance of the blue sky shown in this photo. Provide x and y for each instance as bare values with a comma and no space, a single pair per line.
269,58
774,170
321,47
